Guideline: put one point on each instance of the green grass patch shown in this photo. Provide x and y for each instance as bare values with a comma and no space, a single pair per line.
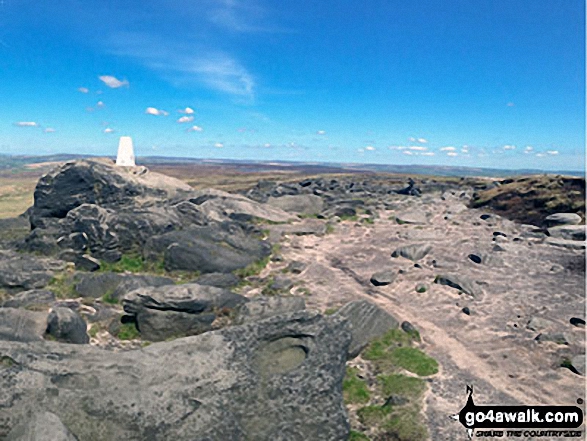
373,415
358,436
62,286
329,229
253,269
128,331
93,331
355,390
133,263
109,298
7,362
399,384
406,425
414,360
330,311
348,217
368,220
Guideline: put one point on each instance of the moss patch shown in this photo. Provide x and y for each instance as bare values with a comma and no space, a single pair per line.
128,331
354,389
253,269
414,360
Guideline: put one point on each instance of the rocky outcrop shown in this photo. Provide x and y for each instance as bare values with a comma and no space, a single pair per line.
412,252
178,310
278,379
301,204
21,325
42,426
558,219
23,272
367,321
261,307
67,326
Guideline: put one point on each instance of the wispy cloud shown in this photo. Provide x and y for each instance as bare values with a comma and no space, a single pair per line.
241,16
370,148
452,154
552,152
187,111
156,112
185,119
510,104
321,132
49,130
427,154
83,90
407,152
422,140
218,145
418,140
448,149
397,147
112,82
418,148
528,149
26,124
108,130
195,129
509,147
540,155
100,104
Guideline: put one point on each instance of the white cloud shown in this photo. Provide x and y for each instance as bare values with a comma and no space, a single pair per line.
427,154
397,147
187,110
361,150
407,152
26,124
195,129
155,111
49,130
108,130
448,149
185,119
510,104
370,148
412,139
113,82
219,145
509,147
267,145
552,152
418,148
321,132
452,154
83,89
528,149
540,155
422,140
99,104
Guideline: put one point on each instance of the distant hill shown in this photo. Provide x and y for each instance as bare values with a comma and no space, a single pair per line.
18,161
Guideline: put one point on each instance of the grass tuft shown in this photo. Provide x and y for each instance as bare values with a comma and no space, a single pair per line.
355,390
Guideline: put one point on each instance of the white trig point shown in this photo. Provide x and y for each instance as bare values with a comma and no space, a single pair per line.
126,154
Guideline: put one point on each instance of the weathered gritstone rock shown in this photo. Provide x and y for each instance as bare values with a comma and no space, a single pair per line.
24,272
67,326
367,321
413,252
22,325
568,244
301,204
412,217
29,298
178,310
42,426
261,307
461,283
383,278
569,232
278,379
115,284
562,219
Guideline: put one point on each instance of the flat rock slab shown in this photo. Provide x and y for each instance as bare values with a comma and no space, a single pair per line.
301,204
25,272
412,217
383,278
367,321
278,379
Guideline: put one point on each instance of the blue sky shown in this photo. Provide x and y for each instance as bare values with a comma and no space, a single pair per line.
488,83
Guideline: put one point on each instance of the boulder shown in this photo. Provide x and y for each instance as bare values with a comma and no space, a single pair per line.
22,325
24,272
67,326
86,262
30,298
208,249
578,364
42,426
569,232
383,278
367,321
564,243
279,379
219,280
301,204
413,252
562,219
412,217
462,283
100,182
261,307
178,310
